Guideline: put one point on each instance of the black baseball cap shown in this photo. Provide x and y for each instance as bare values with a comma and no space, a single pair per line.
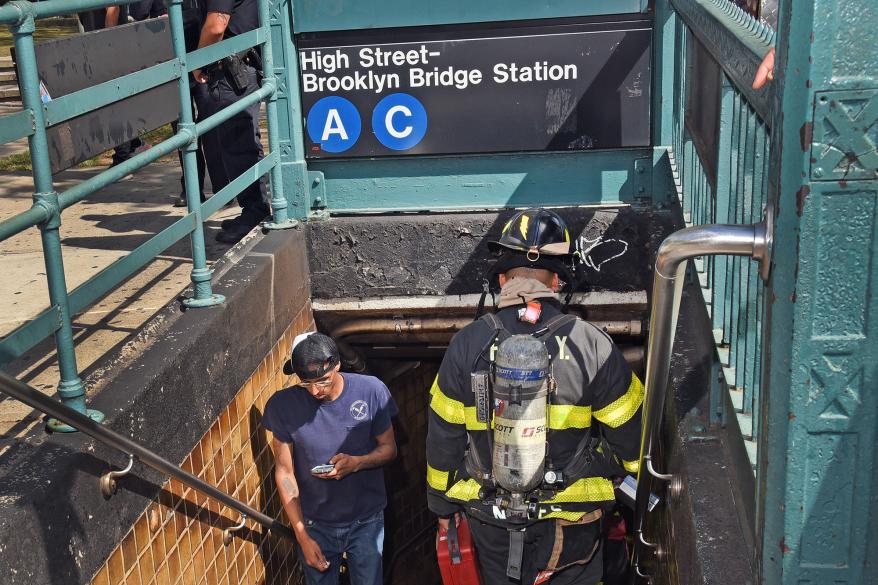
313,355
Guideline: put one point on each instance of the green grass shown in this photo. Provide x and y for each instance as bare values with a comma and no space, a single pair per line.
16,162
22,162
51,28
159,134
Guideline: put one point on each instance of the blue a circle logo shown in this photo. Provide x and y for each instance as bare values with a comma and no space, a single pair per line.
334,123
399,121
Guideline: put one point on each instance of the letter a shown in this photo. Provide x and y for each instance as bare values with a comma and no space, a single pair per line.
333,126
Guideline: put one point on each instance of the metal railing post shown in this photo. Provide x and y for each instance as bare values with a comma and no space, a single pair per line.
70,389
670,269
280,219
303,189
204,295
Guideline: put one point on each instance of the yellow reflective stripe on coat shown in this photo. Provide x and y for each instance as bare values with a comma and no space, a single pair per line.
472,421
587,489
631,466
561,417
569,416
448,409
464,490
436,479
620,411
569,516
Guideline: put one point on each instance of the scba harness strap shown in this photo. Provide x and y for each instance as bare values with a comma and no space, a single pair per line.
481,385
578,465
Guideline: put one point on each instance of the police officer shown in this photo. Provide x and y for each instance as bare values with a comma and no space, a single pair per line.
234,146
592,425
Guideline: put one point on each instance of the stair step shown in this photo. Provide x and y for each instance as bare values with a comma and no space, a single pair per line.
6,64
750,446
7,76
9,92
718,338
724,352
745,423
702,279
737,397
9,108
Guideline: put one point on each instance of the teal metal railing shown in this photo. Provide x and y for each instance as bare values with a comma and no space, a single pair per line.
720,156
48,204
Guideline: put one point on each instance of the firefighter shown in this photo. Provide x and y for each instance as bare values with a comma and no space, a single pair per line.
585,434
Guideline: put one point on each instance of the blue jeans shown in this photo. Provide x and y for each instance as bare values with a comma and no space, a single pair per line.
362,540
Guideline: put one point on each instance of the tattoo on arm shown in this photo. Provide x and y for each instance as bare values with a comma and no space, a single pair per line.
291,489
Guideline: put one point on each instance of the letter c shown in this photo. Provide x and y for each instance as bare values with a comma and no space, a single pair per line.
388,121
399,121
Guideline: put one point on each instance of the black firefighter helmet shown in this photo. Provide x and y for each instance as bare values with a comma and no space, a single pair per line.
535,232
534,238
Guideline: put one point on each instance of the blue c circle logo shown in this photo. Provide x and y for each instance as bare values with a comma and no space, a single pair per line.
334,123
399,121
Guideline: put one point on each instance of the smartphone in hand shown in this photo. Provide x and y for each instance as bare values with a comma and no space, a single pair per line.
318,469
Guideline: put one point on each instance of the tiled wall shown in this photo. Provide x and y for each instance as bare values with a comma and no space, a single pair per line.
178,539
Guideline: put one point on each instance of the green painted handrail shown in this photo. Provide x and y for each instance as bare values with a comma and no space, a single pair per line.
46,212
16,125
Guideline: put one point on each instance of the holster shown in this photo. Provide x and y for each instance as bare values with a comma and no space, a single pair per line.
236,73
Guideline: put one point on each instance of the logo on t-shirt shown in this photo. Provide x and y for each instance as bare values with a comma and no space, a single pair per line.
359,410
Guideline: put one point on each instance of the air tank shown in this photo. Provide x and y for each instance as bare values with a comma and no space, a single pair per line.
521,371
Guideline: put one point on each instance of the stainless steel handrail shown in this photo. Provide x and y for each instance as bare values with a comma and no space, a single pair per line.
670,267
48,405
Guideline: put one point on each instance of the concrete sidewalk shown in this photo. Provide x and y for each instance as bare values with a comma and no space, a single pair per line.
94,232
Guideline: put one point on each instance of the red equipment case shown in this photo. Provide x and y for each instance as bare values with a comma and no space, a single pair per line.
456,554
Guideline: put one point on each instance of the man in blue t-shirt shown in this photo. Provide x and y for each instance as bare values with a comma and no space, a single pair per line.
340,422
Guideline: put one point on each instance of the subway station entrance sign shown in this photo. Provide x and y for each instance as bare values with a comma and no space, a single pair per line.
563,86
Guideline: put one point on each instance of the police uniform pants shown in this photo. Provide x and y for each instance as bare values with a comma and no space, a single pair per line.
234,146
571,550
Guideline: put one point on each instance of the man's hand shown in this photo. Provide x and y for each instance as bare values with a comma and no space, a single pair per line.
312,553
347,464
212,31
199,76
111,16
444,523
344,466
765,73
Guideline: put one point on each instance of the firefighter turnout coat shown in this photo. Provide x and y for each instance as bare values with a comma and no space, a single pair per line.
595,386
